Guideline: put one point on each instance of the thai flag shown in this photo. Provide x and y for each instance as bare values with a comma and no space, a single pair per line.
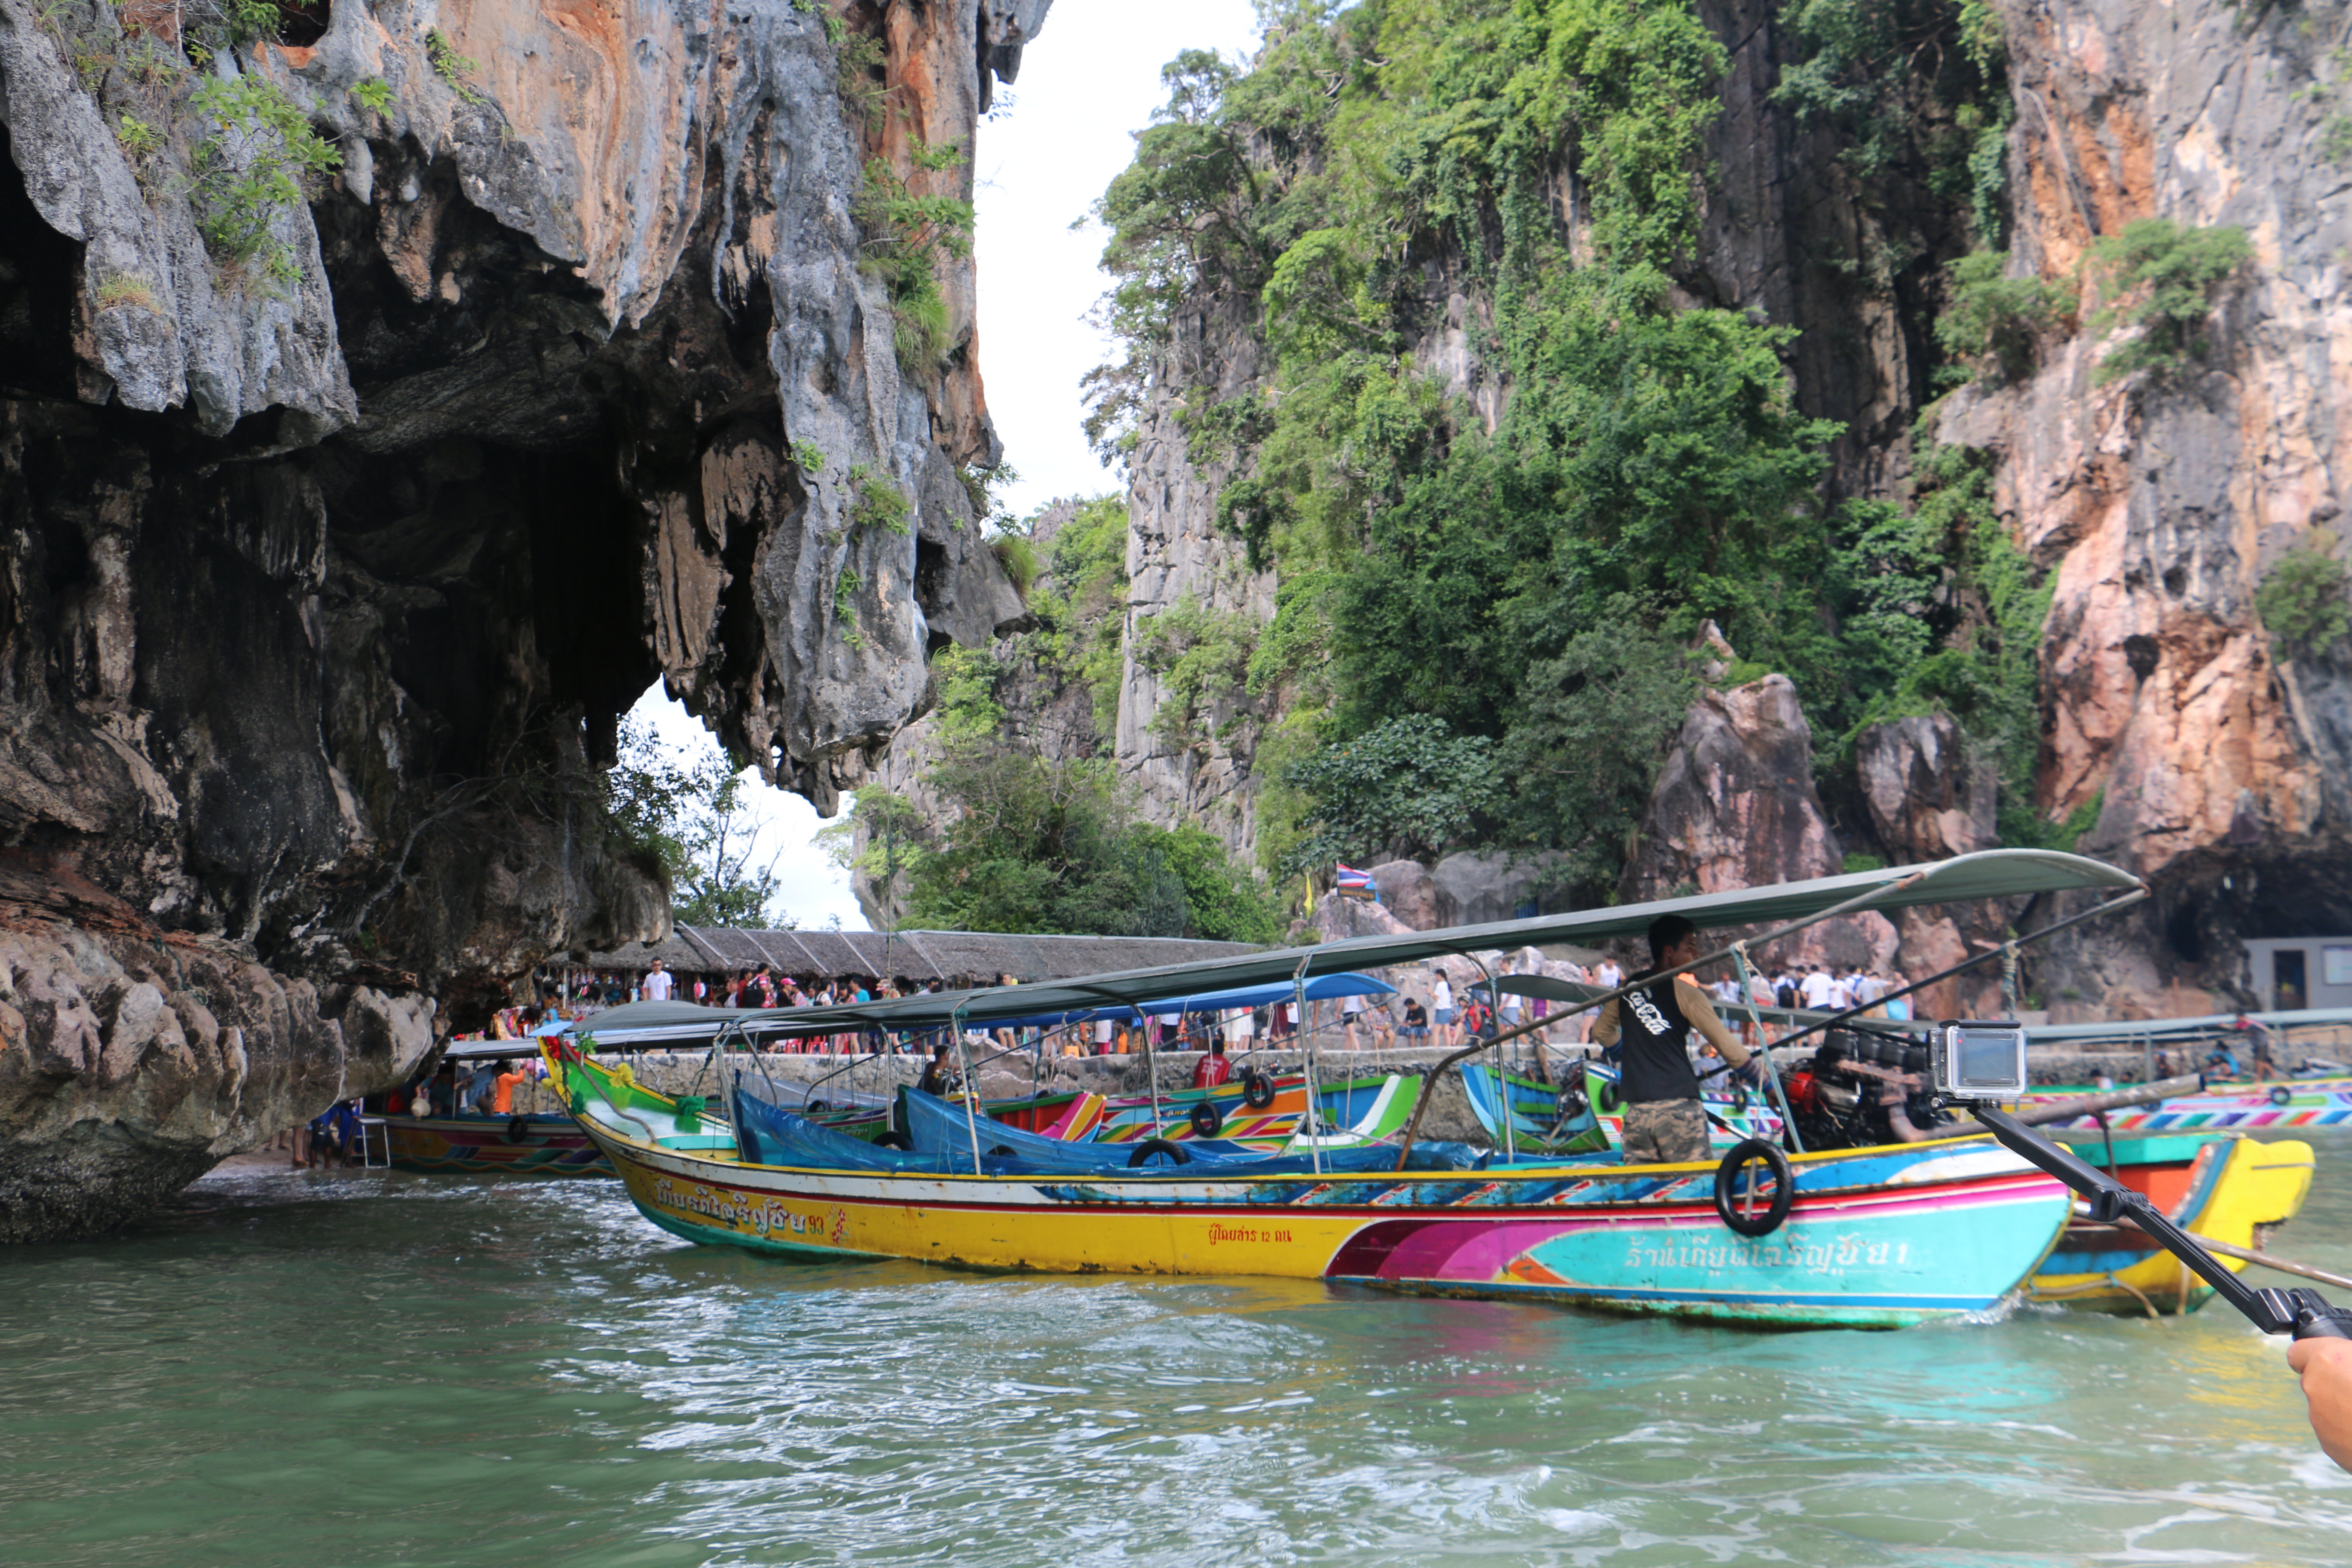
1349,877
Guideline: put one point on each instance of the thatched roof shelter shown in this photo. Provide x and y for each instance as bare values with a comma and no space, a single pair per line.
946,956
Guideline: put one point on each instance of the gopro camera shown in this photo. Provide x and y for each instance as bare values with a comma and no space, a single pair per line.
1979,1060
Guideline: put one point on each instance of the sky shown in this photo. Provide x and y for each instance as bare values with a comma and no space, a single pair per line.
1090,81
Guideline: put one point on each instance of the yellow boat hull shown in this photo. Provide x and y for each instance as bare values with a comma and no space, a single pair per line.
2249,1189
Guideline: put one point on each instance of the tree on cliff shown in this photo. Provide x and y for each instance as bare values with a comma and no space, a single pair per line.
690,811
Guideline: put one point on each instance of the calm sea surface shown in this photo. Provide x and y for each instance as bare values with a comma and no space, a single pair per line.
320,1369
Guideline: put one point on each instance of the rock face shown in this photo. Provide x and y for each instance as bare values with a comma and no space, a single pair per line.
1930,797
2161,503
2157,504
337,543
1736,807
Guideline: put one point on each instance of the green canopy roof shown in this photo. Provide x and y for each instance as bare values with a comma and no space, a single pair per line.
1989,874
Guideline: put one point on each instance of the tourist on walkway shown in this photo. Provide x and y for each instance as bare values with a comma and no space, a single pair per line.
658,984
1441,1000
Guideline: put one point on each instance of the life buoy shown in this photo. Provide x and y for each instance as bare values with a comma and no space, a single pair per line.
1257,1090
1740,1210
1151,1146
1207,1120
518,1130
1604,1096
2281,1095
894,1140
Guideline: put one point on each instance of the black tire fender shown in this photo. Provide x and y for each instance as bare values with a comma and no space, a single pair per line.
1207,1120
1604,1097
1739,1212
1257,1090
518,1130
1738,1096
1152,1146
814,1106
2281,1095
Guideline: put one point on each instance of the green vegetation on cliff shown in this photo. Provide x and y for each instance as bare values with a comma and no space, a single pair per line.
1487,588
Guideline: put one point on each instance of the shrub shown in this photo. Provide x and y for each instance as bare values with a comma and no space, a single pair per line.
2302,602
1995,321
253,169
1201,656
451,66
907,234
1019,559
121,290
2162,278
876,503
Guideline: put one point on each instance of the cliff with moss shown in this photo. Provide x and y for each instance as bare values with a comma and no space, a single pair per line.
389,396
1663,444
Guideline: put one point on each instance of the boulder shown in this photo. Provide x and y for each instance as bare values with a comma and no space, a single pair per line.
1930,796
1477,888
1735,807
1408,891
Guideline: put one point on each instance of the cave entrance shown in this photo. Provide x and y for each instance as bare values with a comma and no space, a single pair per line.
302,23
39,271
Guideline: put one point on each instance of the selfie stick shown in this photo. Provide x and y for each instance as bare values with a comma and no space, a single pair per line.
2304,1313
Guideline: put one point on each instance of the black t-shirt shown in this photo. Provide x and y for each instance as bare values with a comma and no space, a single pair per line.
1414,1017
1657,1037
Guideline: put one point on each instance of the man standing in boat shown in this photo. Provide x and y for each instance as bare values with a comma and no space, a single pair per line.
1663,1123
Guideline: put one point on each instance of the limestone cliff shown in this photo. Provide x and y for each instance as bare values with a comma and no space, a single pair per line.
385,404
2174,727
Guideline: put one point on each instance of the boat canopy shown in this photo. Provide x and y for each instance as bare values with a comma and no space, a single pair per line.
684,1023
1575,994
1988,874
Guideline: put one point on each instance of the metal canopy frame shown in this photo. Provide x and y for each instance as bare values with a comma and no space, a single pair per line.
1988,874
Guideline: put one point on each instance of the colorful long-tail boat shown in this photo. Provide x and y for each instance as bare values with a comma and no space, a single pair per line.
1872,1238
2235,1107
1877,1236
2221,1186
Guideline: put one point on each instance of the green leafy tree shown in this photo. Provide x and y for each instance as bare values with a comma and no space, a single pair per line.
894,837
691,813
1407,788
1594,727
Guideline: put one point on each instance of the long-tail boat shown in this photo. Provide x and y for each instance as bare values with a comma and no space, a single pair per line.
2221,1186
1874,1238
2242,1108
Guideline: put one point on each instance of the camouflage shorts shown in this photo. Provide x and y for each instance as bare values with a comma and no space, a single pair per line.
1664,1132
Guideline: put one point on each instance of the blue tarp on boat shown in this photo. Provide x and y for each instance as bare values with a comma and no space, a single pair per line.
767,1135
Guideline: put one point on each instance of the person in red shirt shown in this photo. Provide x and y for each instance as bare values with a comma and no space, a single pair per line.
1213,1068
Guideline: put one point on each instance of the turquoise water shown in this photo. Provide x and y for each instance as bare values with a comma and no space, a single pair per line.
353,1368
